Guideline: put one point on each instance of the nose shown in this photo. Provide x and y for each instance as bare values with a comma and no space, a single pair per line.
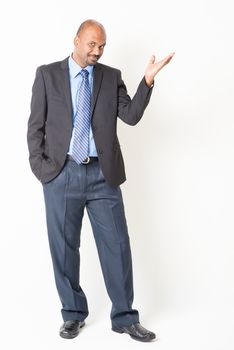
96,50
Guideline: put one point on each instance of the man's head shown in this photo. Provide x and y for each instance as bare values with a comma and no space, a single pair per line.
89,42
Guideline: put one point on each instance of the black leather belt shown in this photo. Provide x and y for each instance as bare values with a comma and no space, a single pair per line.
86,161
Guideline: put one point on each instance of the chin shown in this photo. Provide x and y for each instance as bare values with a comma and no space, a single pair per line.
92,62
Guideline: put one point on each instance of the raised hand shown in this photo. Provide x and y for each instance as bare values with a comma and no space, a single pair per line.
154,67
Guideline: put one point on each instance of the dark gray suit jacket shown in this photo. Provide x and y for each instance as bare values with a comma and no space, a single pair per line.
50,123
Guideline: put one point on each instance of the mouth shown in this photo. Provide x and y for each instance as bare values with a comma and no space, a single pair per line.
94,58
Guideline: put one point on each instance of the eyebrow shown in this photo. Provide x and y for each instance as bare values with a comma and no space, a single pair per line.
97,43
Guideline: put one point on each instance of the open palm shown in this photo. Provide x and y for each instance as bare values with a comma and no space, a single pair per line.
154,67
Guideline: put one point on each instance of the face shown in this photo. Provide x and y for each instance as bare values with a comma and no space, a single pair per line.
89,46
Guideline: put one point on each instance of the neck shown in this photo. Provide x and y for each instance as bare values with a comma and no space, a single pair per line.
76,59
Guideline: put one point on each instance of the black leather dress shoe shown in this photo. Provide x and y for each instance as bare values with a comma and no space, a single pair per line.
70,329
136,331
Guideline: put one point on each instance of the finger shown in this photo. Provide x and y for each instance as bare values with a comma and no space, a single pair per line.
168,58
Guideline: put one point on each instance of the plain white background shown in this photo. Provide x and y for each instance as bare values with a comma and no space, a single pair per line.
179,162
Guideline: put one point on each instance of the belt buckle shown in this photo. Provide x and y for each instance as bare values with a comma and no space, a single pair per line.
86,161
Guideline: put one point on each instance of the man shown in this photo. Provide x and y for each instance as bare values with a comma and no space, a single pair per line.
75,153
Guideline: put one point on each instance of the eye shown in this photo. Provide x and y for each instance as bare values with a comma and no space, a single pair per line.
92,44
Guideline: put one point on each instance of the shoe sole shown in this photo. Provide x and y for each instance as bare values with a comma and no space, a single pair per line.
144,340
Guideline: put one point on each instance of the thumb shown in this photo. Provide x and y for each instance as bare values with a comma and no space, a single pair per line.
152,59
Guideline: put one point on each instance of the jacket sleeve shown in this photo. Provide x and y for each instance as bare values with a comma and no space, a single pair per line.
131,110
36,123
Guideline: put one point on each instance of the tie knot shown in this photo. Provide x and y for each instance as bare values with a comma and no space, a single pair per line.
84,73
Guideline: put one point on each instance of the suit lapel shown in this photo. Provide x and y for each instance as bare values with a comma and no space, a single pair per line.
97,79
66,84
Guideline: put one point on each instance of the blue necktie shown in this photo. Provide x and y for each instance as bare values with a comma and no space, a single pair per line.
80,148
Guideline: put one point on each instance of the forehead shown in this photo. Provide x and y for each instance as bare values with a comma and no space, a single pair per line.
93,33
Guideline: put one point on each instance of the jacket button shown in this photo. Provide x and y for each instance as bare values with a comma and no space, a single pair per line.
94,128
100,151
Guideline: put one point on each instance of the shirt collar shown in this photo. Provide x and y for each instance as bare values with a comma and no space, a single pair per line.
74,68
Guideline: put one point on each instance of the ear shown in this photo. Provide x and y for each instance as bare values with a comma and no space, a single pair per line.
76,40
